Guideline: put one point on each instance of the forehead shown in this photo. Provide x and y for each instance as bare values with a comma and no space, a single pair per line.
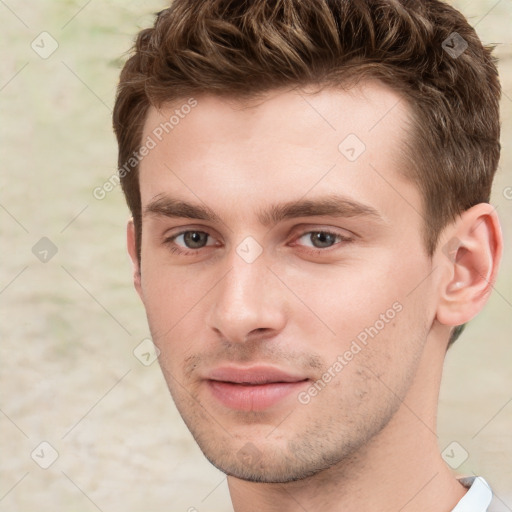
370,106
282,146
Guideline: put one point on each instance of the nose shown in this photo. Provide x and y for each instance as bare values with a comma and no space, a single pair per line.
248,302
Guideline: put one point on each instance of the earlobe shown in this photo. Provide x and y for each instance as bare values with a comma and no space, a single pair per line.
132,251
469,261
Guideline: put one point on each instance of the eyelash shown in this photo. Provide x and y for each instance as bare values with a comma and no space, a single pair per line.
314,251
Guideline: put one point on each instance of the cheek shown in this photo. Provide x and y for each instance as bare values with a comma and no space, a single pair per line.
175,298
345,297
165,295
373,303
170,290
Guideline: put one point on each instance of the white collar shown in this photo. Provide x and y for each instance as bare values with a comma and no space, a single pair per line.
478,497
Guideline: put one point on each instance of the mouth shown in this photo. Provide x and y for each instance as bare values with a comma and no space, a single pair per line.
253,388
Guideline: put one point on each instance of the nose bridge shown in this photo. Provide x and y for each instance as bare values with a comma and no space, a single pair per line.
247,298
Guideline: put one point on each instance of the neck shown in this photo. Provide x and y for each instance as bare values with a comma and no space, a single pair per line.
399,469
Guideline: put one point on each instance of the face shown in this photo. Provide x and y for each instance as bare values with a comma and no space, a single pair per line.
283,274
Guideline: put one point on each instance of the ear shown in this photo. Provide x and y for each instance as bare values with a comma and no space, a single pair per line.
469,258
132,251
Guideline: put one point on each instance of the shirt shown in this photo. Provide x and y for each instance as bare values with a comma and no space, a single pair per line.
479,497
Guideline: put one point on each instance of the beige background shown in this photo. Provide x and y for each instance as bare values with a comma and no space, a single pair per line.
69,326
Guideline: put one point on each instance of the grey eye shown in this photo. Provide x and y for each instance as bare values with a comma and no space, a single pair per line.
319,239
194,239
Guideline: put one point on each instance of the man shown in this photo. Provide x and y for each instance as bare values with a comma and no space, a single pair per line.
309,183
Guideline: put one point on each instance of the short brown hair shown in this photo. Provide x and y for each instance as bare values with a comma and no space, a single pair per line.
246,48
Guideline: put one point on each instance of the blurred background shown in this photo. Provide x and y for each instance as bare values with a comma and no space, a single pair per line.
86,422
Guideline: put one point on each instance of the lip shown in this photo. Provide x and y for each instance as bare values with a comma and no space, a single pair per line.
254,388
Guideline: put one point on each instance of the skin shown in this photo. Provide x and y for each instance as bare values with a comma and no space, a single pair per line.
367,440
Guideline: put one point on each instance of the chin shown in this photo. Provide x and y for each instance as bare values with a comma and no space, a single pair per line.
253,466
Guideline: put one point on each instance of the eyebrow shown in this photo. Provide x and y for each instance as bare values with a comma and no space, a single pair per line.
326,206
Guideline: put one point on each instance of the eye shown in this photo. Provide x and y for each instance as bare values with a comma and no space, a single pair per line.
193,240
322,239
